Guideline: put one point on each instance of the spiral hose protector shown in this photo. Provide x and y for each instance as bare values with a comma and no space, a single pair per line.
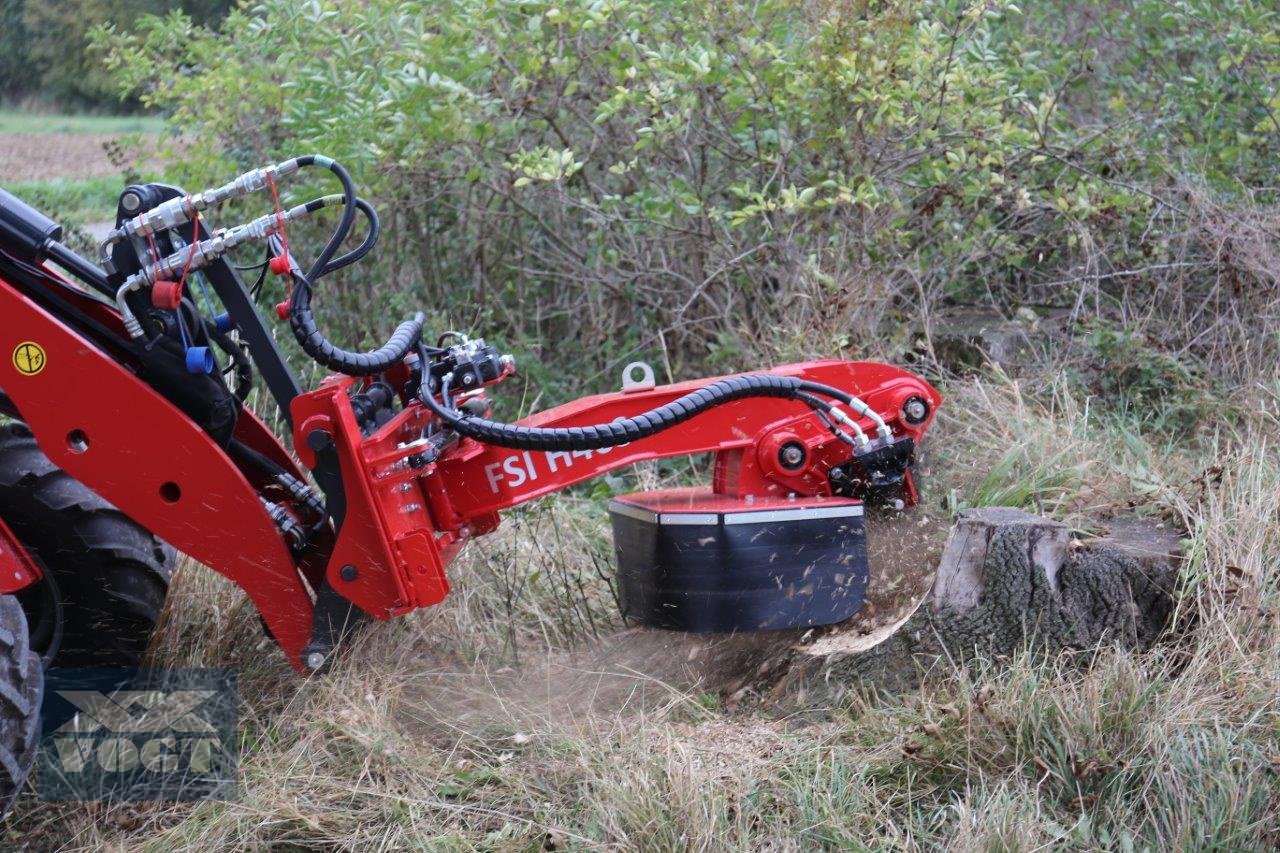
623,430
303,322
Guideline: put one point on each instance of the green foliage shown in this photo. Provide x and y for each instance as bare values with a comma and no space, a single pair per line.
27,121
44,46
13,46
1196,77
1033,481
542,150
696,176
1153,384
70,201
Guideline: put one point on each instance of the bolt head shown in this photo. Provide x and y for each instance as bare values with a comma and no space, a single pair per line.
130,202
314,661
349,573
319,439
792,455
915,410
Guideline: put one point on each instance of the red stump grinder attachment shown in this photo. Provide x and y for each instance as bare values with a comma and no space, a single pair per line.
393,462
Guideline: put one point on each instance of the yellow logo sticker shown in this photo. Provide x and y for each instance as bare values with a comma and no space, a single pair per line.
29,358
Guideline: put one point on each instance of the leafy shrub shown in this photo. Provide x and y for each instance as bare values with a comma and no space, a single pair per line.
750,176
44,46
1153,384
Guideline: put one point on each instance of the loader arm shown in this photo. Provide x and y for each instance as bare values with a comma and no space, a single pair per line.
96,420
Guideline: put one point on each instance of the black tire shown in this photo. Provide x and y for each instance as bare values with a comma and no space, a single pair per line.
21,687
105,577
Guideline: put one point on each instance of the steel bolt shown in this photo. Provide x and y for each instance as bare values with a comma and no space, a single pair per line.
314,661
130,202
319,439
349,573
915,410
792,455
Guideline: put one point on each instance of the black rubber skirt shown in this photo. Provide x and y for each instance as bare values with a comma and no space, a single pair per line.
689,560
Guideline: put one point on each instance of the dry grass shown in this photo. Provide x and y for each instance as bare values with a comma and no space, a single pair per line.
511,717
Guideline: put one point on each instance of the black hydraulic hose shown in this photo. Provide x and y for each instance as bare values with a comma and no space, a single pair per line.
297,489
321,350
301,317
348,212
240,360
196,325
371,238
623,430
80,268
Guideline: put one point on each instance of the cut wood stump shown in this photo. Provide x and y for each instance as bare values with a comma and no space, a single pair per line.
965,339
1006,580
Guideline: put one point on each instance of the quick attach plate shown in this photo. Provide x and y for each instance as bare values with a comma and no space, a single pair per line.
690,560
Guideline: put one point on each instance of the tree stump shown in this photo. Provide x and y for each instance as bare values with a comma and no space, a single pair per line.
1006,580
965,339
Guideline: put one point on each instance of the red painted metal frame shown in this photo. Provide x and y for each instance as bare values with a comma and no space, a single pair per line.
151,461
17,570
402,524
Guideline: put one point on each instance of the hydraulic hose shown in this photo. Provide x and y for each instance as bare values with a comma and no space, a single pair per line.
301,317
375,230
298,490
623,430
243,365
323,351
349,208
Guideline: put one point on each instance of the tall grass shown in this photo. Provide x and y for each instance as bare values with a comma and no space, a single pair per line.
513,715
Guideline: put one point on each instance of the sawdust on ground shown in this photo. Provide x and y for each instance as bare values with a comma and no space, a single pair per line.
643,671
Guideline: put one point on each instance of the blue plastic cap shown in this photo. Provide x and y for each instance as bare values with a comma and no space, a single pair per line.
224,323
199,360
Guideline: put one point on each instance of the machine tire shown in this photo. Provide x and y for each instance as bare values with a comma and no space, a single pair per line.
105,577
21,688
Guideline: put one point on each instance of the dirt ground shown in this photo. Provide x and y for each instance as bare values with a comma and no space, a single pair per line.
41,156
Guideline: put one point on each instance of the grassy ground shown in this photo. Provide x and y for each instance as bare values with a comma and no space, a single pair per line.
71,166
71,201
501,720
25,121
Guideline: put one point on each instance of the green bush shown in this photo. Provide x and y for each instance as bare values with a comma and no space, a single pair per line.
44,46
13,42
1154,385
746,176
